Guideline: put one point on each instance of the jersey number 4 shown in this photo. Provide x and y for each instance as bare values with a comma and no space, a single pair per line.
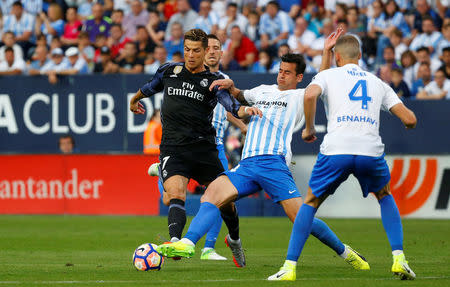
364,98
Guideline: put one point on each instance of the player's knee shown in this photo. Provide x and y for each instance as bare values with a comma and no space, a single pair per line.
165,199
385,191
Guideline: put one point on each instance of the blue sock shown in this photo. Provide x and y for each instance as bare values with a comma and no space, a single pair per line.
211,236
392,222
202,222
300,231
321,231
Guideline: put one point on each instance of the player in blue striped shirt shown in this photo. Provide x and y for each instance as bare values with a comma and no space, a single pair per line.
263,166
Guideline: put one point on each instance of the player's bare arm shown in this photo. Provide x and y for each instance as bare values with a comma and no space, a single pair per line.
135,106
310,102
327,53
237,123
407,116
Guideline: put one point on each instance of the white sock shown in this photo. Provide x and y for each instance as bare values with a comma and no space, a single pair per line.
234,241
397,252
291,262
187,241
174,239
345,253
206,248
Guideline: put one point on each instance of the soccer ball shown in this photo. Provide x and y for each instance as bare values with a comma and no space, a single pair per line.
146,258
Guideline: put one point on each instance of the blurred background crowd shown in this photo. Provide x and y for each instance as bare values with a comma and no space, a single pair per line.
406,43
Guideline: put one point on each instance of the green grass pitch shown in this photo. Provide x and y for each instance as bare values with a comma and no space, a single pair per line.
97,251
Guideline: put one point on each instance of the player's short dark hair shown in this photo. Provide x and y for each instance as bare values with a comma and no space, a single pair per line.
212,36
65,136
116,25
9,32
423,49
17,3
274,3
397,70
397,32
427,18
197,35
118,11
446,49
9,49
390,47
232,4
296,59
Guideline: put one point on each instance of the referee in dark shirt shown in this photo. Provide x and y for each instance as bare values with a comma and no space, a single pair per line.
188,148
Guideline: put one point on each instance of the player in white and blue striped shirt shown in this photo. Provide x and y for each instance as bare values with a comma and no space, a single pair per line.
263,166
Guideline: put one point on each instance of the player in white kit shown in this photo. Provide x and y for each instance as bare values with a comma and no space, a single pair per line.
263,166
353,99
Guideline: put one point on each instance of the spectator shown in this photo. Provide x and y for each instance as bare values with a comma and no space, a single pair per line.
395,19
445,40
356,23
98,24
398,85
252,29
185,16
137,17
389,58
175,42
264,63
55,43
124,5
143,43
87,52
39,60
275,27
423,78
424,10
177,57
408,60
51,25
153,134
85,9
282,50
240,52
21,24
66,144
315,51
130,63
11,65
395,39
429,38
156,28
34,7
71,28
376,24
56,64
117,16
340,13
116,41
423,56
105,64
437,89
100,41
76,63
446,60
160,56
301,40
208,20
232,18
9,40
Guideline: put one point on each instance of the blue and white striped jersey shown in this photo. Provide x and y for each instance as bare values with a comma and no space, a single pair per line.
282,111
18,27
219,120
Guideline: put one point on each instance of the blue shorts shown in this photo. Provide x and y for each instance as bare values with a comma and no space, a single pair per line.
268,172
222,156
331,170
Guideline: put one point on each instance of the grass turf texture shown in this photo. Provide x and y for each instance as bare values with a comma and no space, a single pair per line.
97,251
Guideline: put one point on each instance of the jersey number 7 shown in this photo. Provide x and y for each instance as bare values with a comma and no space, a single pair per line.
364,98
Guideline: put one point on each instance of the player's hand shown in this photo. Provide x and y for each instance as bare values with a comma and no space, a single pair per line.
253,111
330,42
224,84
137,108
309,135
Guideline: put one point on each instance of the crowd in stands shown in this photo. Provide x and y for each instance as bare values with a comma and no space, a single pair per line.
406,43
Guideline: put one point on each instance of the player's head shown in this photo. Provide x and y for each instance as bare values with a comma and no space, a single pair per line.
195,46
291,71
347,50
66,144
214,51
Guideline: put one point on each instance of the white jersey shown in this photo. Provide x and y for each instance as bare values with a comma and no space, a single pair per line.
219,120
282,111
353,99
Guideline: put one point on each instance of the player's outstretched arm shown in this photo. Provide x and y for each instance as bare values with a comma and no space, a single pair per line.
244,112
407,116
237,123
310,102
228,84
135,106
327,53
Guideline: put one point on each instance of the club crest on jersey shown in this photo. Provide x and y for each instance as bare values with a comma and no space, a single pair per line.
204,83
177,70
